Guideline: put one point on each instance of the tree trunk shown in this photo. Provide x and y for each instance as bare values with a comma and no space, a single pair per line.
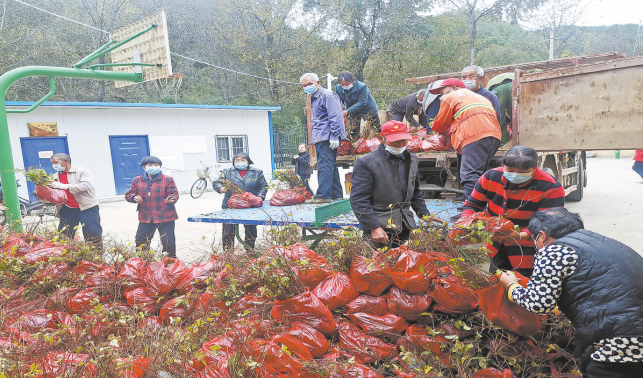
473,37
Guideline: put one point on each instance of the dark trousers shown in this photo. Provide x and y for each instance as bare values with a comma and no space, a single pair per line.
328,184
306,180
228,235
597,369
88,219
355,121
638,168
145,233
474,162
395,239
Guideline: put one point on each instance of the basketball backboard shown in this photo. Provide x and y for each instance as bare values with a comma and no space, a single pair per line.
151,47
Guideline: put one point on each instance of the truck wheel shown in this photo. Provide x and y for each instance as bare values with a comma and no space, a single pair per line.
577,194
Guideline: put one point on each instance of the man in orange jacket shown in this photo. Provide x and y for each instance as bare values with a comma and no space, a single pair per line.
471,122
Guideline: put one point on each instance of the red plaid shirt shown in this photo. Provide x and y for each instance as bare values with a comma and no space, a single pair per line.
153,209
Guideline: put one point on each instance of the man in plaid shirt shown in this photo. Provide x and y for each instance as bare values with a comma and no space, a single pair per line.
155,194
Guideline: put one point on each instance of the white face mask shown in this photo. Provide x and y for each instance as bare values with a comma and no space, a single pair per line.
348,87
470,84
395,150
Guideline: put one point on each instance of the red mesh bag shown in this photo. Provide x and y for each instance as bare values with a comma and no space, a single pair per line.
357,145
512,317
336,291
365,348
179,307
358,371
408,306
313,339
274,362
413,271
142,300
368,304
34,321
414,144
51,272
43,252
421,133
303,191
379,324
369,276
295,346
286,198
82,301
244,200
60,298
435,142
133,368
162,276
104,277
344,148
20,245
47,194
85,269
419,344
132,274
194,277
305,308
451,296
492,373
311,275
299,252
491,225
416,330
66,364
368,146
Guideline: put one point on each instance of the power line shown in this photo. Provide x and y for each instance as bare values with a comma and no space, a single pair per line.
175,54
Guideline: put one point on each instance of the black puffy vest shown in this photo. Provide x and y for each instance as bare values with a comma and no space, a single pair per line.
604,297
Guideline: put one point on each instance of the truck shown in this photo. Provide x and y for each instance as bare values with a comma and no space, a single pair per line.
562,108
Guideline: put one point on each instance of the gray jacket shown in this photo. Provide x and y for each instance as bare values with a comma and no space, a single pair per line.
81,186
253,181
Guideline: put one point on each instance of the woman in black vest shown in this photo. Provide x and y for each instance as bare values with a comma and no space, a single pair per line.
596,282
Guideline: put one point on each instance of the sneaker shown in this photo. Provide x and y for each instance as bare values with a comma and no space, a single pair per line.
316,201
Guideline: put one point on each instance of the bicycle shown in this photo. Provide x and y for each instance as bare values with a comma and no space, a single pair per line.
201,184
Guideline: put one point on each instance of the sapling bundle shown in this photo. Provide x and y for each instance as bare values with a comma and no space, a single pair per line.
288,177
239,198
39,177
296,192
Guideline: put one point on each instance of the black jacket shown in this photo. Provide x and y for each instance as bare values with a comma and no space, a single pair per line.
376,184
302,164
604,297
252,182
408,106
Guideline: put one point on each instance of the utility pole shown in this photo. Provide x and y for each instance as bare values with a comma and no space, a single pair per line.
551,44
329,81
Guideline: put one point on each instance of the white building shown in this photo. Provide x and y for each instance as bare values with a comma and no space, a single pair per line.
110,139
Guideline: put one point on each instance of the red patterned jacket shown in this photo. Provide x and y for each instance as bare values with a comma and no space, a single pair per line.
153,209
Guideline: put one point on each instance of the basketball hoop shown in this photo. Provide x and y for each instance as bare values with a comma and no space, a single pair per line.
168,86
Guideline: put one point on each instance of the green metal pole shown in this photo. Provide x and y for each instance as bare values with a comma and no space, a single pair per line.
7,169
617,154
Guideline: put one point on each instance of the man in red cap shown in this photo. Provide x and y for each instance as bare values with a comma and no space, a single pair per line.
385,186
473,126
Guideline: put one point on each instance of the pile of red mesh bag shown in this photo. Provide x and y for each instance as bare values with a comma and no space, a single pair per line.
463,233
344,148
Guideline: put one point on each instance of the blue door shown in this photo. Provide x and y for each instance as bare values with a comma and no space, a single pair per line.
127,152
36,153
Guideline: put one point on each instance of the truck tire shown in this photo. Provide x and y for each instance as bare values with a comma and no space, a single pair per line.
577,194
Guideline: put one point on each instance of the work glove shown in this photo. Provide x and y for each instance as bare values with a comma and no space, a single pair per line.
334,144
59,185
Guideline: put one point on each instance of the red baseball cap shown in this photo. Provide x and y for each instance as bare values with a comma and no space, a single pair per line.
393,131
447,83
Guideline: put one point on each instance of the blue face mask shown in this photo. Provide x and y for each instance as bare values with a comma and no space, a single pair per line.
518,178
58,167
241,166
311,89
153,170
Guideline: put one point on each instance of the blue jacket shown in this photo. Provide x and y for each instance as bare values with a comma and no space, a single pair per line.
327,120
482,91
358,99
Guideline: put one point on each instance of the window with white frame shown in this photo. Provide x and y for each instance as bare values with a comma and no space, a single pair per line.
230,145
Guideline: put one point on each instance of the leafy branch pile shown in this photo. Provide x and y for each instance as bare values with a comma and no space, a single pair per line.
287,177
343,310
38,176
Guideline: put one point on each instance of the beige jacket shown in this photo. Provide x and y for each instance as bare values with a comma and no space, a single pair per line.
81,186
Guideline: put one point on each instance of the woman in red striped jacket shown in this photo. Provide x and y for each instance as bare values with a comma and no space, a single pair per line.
515,191
155,194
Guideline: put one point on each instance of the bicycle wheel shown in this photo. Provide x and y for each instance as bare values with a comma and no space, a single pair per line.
198,188
3,218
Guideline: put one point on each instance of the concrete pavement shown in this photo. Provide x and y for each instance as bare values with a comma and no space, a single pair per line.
611,206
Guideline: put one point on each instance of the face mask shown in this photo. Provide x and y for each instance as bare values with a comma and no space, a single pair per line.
470,84
153,170
348,87
58,167
395,150
419,102
241,166
517,178
311,89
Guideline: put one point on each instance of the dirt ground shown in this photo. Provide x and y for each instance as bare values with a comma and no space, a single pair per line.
611,206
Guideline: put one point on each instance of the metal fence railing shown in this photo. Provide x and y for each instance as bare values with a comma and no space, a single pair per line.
286,144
